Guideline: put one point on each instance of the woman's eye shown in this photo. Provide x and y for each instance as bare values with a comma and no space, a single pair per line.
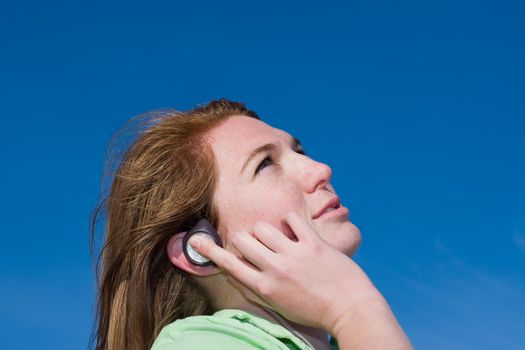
269,161
265,162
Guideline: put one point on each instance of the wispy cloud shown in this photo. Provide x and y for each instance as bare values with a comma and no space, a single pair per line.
458,305
519,240
440,247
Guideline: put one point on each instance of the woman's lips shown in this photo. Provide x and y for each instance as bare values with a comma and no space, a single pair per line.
336,213
331,203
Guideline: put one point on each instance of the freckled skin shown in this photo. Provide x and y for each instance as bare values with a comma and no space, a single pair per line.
292,181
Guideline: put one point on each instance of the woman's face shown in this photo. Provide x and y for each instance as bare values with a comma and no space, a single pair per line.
259,188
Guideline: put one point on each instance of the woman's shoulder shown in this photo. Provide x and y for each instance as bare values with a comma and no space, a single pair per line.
226,329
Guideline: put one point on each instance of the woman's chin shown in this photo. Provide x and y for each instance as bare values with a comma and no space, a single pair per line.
352,241
345,238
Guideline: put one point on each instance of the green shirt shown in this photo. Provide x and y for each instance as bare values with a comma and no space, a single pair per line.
229,330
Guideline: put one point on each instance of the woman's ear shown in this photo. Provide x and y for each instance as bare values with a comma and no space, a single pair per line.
177,258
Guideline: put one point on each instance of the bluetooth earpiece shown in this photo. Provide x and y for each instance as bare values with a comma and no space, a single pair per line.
203,229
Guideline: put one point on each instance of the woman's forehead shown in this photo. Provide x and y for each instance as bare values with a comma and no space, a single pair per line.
240,135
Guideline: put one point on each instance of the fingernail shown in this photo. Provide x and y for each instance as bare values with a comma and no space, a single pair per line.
195,242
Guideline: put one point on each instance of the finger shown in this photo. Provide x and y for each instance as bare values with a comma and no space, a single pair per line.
252,250
271,236
301,228
225,260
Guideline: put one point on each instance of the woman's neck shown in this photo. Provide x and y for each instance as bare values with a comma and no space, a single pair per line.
228,297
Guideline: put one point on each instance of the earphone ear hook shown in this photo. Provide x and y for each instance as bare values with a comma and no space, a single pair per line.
204,229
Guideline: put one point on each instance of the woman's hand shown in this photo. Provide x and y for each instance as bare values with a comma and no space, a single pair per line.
311,283
307,281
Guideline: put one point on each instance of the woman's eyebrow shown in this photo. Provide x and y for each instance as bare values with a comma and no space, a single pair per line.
268,148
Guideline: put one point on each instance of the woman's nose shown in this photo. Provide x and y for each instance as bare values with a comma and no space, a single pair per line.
316,175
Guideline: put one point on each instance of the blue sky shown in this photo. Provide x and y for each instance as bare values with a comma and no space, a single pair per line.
416,105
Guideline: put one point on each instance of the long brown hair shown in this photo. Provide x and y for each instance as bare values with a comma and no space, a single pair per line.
163,181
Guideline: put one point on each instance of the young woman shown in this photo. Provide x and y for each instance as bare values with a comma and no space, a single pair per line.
283,278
